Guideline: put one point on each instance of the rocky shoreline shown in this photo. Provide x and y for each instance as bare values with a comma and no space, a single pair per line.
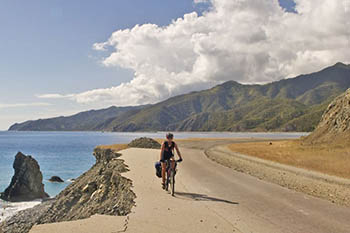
100,190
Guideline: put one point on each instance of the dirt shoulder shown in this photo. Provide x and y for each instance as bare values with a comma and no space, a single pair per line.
317,184
331,160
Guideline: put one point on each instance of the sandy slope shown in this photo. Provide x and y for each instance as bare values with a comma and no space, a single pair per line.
211,198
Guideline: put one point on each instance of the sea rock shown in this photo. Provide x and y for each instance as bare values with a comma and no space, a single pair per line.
56,179
101,190
145,142
334,126
26,184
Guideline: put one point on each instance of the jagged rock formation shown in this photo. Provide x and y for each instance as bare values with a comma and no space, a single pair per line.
101,190
26,184
335,124
56,179
145,142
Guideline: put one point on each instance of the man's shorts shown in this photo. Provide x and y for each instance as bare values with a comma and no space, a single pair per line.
166,157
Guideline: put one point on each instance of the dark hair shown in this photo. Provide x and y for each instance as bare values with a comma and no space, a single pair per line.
169,136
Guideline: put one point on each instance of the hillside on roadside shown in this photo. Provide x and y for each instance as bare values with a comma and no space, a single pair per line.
334,127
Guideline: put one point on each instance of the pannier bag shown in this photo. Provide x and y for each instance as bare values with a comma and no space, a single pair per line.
158,167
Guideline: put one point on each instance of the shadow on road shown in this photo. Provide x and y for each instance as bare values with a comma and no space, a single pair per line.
203,197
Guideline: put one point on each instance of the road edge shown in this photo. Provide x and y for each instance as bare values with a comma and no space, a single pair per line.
333,189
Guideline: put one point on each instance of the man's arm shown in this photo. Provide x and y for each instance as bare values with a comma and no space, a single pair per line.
178,151
161,151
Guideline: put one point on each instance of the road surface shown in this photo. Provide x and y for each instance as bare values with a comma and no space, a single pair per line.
211,198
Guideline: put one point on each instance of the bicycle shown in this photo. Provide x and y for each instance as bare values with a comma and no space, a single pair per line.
170,176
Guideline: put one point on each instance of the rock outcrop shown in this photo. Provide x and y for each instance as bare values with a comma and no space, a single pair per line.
334,127
56,179
26,184
101,190
145,142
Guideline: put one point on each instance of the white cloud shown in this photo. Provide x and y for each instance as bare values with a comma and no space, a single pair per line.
247,41
17,105
200,1
99,46
55,96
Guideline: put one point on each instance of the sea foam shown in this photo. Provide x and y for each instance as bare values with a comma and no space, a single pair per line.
7,209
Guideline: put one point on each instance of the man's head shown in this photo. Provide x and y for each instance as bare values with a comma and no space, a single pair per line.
169,136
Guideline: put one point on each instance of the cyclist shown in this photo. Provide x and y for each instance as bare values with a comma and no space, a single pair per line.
167,153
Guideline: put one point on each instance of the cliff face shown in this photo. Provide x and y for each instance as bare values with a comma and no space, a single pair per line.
26,184
335,123
101,190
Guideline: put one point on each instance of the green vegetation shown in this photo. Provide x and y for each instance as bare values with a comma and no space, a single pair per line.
289,105
85,121
295,104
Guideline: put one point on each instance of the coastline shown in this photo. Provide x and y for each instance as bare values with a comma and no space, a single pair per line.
49,146
100,190
214,149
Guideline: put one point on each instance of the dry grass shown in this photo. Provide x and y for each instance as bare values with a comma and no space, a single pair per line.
115,147
331,160
161,140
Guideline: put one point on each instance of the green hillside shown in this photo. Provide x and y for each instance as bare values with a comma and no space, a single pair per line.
294,104
84,121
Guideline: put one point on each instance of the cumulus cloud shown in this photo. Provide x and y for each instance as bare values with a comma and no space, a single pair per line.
17,105
247,41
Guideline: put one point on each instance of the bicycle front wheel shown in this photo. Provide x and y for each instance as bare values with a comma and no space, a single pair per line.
172,182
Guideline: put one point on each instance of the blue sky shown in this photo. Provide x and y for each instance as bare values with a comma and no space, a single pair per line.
46,47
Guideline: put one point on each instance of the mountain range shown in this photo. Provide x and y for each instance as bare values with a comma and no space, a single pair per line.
294,104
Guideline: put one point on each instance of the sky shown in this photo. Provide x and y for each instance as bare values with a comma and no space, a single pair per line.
61,57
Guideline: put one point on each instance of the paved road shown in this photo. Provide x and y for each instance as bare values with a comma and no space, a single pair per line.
213,198
263,207
240,202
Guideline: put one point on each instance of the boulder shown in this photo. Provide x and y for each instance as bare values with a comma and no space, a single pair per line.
56,179
26,183
145,142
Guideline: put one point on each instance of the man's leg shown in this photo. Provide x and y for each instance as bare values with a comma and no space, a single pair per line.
172,162
163,172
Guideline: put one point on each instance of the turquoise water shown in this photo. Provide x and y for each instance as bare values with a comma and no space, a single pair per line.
69,154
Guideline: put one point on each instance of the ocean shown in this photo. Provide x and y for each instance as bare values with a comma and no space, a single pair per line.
69,154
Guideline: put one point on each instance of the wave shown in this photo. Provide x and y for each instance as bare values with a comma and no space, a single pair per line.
7,209
71,180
